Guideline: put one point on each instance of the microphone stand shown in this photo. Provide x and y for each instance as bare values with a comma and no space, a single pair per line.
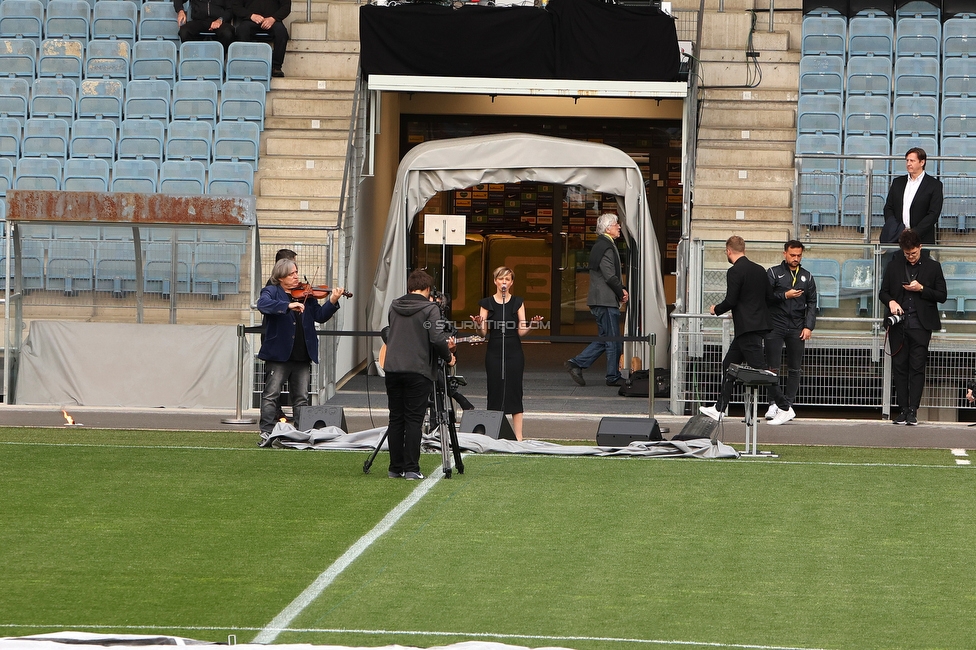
504,331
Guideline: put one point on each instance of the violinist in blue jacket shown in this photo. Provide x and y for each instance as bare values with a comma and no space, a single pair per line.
290,340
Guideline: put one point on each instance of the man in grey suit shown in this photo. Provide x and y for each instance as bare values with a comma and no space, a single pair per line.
914,201
604,299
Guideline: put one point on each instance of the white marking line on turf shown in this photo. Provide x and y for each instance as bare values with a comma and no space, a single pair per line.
304,599
961,456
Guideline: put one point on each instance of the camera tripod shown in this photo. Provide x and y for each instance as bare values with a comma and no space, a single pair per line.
442,418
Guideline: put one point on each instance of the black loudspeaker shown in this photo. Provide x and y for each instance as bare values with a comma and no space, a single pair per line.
323,415
699,426
493,424
621,431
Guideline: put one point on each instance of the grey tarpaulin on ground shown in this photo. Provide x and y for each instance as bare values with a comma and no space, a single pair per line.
287,436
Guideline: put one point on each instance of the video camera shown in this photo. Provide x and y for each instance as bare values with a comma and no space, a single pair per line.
894,319
443,302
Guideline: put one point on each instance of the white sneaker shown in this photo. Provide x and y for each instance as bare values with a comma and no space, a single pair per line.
783,417
772,411
711,412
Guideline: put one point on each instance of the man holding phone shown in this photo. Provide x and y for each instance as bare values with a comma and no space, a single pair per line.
911,290
793,313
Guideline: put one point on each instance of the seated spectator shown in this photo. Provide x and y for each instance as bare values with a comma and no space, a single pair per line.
257,16
206,17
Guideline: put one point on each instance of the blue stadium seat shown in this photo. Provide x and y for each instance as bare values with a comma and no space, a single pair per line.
101,99
142,139
54,98
93,138
820,180
45,137
249,61
915,116
240,142
959,77
869,75
140,176
918,9
85,175
31,262
857,282
22,19
854,187
917,75
827,275
233,178
958,37
871,35
824,34
819,113
195,100
11,135
6,176
113,19
959,183
960,286
182,177
38,174
68,19
903,143
115,267
822,75
148,98
243,100
154,60
159,268
216,270
60,58
18,57
867,115
69,267
812,146
107,60
202,61
157,20
14,98
922,36
189,140
958,116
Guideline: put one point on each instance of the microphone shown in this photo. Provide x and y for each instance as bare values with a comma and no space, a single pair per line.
503,288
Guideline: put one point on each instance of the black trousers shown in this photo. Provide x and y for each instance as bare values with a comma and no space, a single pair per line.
775,341
193,29
909,356
746,347
408,395
247,30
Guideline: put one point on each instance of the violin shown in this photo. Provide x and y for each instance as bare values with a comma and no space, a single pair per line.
304,290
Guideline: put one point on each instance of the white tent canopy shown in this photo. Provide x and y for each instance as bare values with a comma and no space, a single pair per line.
511,158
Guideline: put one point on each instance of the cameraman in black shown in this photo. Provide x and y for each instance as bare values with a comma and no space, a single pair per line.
911,290
417,338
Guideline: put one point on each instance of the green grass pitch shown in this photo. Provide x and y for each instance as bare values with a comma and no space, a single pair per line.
204,535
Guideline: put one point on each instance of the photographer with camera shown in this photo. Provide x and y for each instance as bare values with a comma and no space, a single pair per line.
911,290
417,339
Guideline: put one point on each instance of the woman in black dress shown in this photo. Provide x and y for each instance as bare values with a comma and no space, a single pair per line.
502,320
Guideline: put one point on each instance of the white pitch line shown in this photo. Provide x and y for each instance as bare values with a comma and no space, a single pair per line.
304,599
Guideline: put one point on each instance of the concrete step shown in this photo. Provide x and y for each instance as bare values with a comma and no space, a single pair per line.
731,155
337,125
744,198
308,146
784,136
310,188
292,204
746,115
732,216
282,166
755,95
752,176
739,56
784,76
296,84
321,65
309,107
296,218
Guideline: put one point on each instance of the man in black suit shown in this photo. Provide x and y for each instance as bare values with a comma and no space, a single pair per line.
747,292
912,288
914,201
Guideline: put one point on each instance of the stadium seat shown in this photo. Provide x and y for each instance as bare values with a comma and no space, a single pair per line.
824,34
901,144
871,35
149,98
202,61
14,98
243,100
822,75
195,100
959,183
54,98
819,113
115,267
917,75
115,19
93,138
867,115
140,176
827,275
921,36
159,268
11,134
157,20
917,9
45,137
915,116
154,60
869,75
812,146
857,282
854,187
18,57
959,77
101,99
249,61
872,7
22,19
142,139
216,270
182,177
38,174
240,142
61,59
189,140
70,19
958,37
960,287
233,178
31,263
107,60
958,116
820,179
69,267
85,175
6,176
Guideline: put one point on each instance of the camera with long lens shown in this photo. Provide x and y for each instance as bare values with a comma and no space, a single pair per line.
894,319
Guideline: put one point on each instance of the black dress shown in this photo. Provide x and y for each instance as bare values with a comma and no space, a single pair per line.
504,355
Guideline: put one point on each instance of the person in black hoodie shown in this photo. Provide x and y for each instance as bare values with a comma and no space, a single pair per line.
415,341
206,16
257,16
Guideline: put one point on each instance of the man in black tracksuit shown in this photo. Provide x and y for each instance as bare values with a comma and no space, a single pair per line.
206,16
793,313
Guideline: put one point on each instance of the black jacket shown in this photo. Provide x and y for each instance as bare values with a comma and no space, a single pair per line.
793,313
416,337
606,288
199,9
747,292
923,214
277,9
928,272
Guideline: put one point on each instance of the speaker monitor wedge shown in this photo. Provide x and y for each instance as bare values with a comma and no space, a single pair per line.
490,423
319,416
621,431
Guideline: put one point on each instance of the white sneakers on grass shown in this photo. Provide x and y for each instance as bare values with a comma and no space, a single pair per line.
772,411
782,417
